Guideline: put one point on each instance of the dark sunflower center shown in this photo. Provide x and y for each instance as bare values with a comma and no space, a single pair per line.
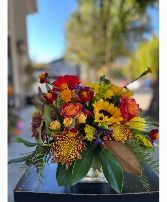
105,113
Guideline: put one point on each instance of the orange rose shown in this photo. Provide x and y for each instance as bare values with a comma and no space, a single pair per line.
129,108
72,109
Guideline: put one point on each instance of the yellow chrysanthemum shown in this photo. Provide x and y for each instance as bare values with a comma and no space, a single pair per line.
67,149
138,123
89,131
143,140
120,91
106,112
121,133
66,95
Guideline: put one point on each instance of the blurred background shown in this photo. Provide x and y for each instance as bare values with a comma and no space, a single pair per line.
87,38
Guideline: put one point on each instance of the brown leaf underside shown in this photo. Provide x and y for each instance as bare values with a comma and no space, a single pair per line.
126,158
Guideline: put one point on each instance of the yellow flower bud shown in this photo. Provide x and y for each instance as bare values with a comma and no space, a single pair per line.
82,118
55,125
67,122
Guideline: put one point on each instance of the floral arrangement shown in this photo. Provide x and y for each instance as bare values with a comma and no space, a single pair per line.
79,126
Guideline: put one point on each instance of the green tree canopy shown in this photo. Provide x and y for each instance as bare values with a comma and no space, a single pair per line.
101,30
146,55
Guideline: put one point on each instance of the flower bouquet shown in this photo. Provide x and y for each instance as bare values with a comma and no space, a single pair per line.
79,126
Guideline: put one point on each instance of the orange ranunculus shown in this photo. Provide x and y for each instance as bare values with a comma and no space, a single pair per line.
129,108
72,109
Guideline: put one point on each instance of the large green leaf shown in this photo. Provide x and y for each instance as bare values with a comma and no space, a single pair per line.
82,166
63,175
21,159
47,117
25,142
91,145
112,170
96,164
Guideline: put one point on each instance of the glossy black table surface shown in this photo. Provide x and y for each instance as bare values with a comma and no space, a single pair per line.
26,189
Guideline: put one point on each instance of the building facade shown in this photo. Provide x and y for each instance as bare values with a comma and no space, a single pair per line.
18,56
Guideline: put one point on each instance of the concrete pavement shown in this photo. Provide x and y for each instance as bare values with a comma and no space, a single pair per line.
15,149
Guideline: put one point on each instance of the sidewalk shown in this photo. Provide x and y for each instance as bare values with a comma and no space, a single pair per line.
15,149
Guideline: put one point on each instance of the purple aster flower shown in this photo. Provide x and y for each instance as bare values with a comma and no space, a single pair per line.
98,141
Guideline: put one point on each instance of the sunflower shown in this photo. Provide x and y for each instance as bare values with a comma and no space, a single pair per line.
106,112
67,148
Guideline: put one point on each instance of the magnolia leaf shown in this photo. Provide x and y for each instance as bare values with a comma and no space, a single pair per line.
63,175
47,117
82,166
25,142
112,170
21,159
126,158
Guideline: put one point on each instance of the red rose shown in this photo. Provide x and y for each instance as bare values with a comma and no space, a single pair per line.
129,108
72,109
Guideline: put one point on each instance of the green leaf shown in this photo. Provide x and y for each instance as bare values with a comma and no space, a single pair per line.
21,159
40,142
47,117
96,164
112,170
73,122
63,175
25,142
102,79
82,166
91,145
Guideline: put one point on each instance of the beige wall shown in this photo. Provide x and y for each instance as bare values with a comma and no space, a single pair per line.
17,32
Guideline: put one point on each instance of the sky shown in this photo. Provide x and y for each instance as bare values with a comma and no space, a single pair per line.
45,29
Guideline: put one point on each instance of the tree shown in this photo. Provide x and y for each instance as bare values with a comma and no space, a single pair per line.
101,30
146,55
